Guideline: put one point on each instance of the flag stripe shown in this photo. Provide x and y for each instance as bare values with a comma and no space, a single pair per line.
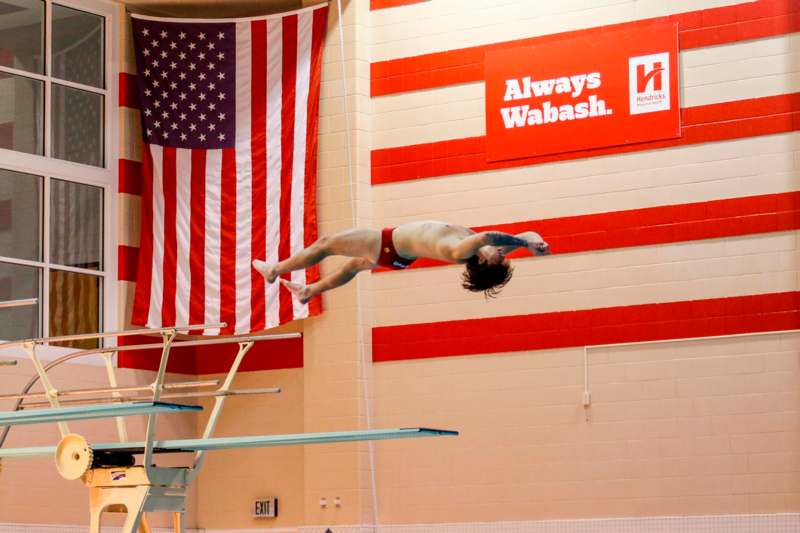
157,264
228,237
169,235
304,27
197,237
144,270
183,214
213,196
258,142
310,230
244,178
287,150
274,158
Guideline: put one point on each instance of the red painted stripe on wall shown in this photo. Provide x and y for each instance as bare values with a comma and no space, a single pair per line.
194,360
657,225
710,123
610,325
127,262
384,4
727,24
128,95
130,176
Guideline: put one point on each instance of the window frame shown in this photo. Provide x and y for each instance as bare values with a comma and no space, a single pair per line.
48,168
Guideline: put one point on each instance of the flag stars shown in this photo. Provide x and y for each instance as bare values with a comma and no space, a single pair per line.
192,107
154,43
202,116
221,75
182,75
202,137
192,46
163,34
164,74
157,124
147,112
221,136
156,103
146,52
173,65
201,55
164,94
173,45
211,126
212,106
202,36
211,46
221,96
201,96
154,62
211,66
147,72
221,35
155,83
149,132
164,115
173,126
192,66
221,117
221,56
145,31
148,92
201,76
183,136
192,127
192,86
183,116
212,86
173,106
173,85
165,134
182,35
182,96
163,54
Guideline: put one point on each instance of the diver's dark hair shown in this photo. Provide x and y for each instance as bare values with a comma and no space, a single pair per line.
486,278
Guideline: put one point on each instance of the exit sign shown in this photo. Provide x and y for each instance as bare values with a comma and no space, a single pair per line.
267,508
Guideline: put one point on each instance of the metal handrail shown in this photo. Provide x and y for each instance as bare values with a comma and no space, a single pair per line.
25,302
107,334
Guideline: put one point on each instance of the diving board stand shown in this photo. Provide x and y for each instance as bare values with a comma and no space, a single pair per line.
109,470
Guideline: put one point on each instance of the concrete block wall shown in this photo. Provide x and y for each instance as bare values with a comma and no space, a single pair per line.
686,428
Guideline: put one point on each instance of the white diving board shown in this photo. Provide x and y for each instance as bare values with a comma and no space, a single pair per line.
255,441
67,414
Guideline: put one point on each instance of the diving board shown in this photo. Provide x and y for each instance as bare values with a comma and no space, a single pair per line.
254,441
69,414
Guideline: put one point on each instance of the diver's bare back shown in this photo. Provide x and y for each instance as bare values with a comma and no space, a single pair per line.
428,239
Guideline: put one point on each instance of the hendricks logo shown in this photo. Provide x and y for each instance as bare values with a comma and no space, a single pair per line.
547,113
648,82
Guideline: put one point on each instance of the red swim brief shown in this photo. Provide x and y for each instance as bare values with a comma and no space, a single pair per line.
389,257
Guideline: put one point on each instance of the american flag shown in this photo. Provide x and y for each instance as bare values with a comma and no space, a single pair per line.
230,120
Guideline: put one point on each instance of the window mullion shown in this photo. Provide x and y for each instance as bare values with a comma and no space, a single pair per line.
45,296
48,48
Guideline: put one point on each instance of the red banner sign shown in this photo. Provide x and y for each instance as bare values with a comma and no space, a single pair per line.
607,89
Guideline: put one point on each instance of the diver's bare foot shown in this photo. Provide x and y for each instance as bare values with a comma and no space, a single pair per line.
302,292
265,270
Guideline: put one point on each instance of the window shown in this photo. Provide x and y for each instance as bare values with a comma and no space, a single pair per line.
57,189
